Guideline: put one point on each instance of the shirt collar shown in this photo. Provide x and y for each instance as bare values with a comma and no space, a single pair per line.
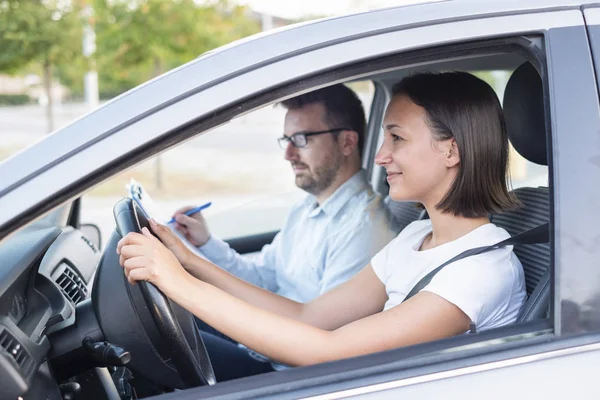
340,197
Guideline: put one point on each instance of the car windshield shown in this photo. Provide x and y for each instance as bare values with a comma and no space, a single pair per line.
55,218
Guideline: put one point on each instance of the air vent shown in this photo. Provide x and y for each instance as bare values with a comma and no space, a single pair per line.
16,351
72,285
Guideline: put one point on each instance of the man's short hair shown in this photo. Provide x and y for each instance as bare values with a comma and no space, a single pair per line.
343,108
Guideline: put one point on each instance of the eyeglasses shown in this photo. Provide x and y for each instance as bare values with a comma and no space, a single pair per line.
299,139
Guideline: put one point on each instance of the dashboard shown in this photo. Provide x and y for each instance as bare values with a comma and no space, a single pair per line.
45,273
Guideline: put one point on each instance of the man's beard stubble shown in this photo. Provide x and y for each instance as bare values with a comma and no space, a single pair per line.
317,180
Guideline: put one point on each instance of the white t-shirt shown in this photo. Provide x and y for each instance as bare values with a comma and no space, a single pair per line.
489,288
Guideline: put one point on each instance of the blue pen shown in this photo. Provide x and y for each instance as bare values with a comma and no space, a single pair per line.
193,211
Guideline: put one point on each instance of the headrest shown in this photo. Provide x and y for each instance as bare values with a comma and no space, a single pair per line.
524,113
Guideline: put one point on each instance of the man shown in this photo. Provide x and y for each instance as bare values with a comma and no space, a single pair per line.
336,229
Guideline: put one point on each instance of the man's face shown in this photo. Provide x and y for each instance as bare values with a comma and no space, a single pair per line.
315,165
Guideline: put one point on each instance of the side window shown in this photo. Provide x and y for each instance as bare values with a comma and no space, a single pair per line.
238,167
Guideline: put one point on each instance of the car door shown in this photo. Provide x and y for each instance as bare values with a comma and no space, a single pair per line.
500,375
180,110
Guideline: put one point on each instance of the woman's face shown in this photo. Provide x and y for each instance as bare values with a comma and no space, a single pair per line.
419,168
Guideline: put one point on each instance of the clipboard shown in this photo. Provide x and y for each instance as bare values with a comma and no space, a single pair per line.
136,192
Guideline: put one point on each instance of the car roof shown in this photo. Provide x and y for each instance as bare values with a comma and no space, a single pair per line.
247,54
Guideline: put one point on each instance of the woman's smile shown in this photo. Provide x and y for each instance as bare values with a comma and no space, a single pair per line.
393,175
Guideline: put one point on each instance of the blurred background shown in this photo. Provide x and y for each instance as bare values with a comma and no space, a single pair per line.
60,59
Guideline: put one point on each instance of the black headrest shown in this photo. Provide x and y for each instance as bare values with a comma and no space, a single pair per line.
524,113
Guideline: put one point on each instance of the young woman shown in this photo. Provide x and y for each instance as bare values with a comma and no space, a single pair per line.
446,147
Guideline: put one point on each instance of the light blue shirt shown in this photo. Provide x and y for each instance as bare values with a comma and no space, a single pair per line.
318,247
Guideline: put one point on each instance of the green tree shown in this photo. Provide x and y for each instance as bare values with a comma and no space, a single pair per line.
136,39
46,32
140,39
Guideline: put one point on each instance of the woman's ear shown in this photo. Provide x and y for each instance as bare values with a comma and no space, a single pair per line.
452,156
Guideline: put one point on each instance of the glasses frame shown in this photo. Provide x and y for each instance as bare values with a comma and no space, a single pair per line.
285,140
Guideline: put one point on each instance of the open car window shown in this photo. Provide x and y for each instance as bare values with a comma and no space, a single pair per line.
238,167
253,165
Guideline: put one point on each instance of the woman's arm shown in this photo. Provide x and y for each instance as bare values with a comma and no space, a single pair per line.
218,277
424,317
331,310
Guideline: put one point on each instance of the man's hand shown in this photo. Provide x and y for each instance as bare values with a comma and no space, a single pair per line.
193,228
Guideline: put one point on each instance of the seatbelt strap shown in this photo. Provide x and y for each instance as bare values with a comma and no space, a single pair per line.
539,234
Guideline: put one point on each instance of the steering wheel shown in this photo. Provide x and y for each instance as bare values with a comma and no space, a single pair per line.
159,333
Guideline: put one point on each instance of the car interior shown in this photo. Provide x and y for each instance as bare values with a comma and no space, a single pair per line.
71,325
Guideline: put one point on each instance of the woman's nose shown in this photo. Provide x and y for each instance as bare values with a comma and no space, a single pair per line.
383,156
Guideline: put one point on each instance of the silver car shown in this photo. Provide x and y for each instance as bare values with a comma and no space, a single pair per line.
65,305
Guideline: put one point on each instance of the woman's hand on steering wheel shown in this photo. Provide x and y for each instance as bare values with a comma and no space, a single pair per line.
172,242
144,258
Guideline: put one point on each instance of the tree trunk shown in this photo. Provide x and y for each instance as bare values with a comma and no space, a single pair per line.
48,90
158,179
158,170
158,68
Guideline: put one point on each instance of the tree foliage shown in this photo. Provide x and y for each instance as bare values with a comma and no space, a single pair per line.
44,31
135,39
140,39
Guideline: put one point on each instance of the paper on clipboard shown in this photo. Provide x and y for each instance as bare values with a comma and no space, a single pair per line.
137,193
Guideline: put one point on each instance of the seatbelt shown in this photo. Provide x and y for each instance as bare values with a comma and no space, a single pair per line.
539,234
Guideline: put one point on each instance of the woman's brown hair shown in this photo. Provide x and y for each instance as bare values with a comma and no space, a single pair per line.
461,106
